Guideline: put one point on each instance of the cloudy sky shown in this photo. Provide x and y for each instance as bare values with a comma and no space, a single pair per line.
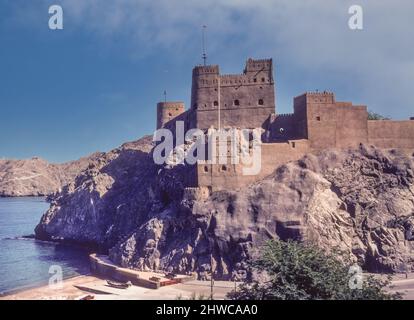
95,84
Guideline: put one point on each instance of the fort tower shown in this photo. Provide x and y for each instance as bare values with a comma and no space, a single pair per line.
167,111
245,100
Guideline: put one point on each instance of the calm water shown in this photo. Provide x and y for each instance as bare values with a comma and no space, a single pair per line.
26,262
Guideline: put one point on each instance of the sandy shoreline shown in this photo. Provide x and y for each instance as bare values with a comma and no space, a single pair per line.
80,286
83,285
68,290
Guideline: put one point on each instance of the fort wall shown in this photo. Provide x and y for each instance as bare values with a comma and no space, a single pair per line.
230,176
327,123
351,125
391,134
283,127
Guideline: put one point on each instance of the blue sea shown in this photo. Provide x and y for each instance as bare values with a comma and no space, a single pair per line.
26,262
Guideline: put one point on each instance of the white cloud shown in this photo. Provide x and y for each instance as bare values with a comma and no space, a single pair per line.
377,64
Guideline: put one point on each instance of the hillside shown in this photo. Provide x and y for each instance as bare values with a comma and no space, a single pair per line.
360,201
37,177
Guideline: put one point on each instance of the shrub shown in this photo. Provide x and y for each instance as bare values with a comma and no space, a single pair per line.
376,116
296,271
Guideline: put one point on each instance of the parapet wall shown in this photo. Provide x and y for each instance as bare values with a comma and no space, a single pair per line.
391,134
102,266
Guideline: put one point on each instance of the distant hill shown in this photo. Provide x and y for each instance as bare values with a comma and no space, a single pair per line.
37,177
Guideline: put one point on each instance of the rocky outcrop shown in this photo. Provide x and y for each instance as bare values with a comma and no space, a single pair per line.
359,201
37,177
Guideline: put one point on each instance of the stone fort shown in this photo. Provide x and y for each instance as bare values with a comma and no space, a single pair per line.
248,101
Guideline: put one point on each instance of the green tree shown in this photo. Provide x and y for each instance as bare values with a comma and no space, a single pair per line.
297,271
376,116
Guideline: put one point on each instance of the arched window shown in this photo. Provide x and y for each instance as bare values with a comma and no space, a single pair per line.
261,102
205,169
236,102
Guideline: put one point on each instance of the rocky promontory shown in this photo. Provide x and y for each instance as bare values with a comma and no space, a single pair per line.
360,201
37,177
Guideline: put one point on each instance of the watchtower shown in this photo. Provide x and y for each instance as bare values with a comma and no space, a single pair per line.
167,111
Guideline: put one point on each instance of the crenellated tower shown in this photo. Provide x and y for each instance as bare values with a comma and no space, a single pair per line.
167,111
238,100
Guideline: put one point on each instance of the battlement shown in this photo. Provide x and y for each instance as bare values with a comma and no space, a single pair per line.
170,105
284,115
316,94
315,97
253,65
202,70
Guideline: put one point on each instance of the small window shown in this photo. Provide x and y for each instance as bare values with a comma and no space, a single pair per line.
261,102
293,144
205,169
169,114
263,79
236,102
223,168
215,103
254,80
318,118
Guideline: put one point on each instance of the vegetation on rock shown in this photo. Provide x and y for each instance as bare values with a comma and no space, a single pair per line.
297,271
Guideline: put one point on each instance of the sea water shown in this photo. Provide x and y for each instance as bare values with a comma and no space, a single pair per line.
26,262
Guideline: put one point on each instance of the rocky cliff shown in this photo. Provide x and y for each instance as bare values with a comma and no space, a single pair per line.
360,201
37,177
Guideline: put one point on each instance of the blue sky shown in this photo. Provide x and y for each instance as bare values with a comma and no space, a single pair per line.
94,85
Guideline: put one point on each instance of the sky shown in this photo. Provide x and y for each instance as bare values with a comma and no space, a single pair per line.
94,85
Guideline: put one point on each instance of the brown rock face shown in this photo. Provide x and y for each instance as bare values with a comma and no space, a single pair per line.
37,177
360,201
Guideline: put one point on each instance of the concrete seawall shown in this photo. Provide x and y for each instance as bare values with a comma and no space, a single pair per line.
102,266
